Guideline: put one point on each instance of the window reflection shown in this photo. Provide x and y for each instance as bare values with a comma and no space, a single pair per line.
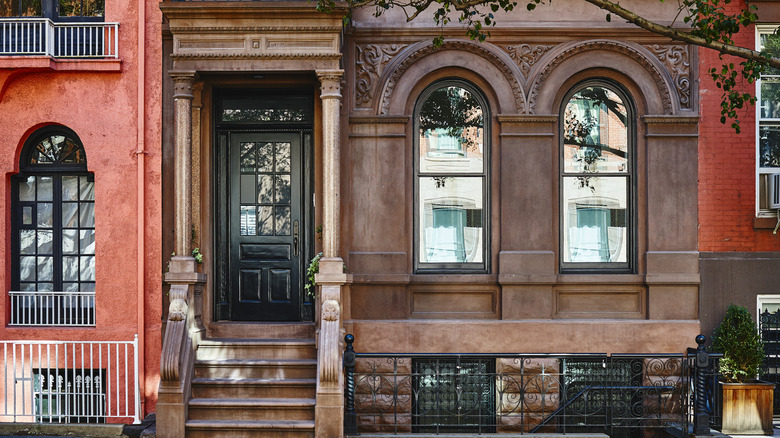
595,178
451,181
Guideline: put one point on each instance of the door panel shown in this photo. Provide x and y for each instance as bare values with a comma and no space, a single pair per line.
265,213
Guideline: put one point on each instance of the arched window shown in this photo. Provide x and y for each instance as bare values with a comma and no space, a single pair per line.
53,237
452,179
597,179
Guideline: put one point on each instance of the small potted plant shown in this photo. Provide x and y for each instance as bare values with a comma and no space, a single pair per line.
747,402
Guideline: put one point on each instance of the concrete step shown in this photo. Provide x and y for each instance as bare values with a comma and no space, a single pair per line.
243,330
234,348
249,429
257,368
253,388
251,409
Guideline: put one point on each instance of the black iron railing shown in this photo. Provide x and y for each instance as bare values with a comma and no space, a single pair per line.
620,395
769,328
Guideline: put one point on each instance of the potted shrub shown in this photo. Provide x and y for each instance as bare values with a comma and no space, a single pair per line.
747,402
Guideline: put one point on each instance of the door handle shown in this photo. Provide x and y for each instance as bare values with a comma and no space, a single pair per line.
295,238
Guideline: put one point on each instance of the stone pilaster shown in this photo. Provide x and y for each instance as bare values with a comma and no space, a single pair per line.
182,110
197,106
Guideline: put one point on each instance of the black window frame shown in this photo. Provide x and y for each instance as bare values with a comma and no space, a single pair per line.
630,265
486,176
50,9
56,172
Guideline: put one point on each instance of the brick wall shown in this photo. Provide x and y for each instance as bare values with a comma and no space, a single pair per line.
727,170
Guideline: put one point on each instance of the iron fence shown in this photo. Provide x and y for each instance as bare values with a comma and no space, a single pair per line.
769,329
69,381
52,308
622,395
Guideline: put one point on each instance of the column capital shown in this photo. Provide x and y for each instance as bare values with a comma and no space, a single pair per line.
330,81
182,83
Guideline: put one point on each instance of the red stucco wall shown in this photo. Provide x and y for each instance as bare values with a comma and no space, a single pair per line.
727,168
103,109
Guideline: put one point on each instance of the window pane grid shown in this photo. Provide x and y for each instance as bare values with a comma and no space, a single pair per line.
451,179
265,189
596,168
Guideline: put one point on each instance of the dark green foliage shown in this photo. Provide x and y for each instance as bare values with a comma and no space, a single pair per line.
736,337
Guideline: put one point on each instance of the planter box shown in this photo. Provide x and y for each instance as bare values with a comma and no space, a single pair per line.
747,408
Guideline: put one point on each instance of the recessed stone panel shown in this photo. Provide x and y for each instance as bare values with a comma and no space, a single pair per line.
607,302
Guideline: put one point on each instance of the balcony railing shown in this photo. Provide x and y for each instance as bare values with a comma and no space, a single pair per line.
41,36
69,382
52,308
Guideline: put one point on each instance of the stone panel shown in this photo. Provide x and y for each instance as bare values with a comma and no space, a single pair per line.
383,394
527,391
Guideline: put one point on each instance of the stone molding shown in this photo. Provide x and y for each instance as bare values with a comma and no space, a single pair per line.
228,29
421,51
634,53
379,120
527,118
370,61
251,56
671,119
677,61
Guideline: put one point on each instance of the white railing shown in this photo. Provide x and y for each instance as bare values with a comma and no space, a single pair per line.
52,308
69,381
41,36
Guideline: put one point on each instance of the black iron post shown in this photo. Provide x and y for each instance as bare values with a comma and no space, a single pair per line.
350,418
702,421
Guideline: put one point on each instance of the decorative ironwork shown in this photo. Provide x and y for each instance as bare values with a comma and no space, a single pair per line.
769,328
620,395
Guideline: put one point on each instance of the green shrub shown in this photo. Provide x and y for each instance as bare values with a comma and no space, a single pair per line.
736,337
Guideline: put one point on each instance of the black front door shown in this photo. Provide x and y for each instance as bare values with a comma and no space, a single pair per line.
266,230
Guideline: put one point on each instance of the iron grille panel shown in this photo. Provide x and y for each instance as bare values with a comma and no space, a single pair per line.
453,395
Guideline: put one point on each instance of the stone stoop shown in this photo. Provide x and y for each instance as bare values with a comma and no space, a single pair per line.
245,388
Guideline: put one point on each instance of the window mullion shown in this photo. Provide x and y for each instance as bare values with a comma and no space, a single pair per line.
57,232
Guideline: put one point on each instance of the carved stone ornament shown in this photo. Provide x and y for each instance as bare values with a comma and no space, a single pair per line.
370,62
463,46
330,346
526,55
330,310
611,46
677,61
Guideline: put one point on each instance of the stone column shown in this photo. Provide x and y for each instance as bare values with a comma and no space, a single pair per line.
182,110
329,411
330,93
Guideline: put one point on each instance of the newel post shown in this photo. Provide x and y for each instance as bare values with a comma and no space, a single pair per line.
702,419
350,417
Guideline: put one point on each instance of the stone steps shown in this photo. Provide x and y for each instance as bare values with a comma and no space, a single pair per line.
245,388
257,368
237,348
252,409
249,429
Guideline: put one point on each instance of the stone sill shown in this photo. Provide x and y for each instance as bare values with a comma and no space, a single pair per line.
764,222
60,64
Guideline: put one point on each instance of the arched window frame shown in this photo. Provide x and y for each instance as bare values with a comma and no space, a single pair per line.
424,266
629,265
40,214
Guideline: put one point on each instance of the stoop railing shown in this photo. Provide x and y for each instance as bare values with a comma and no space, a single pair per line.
41,36
69,381
622,395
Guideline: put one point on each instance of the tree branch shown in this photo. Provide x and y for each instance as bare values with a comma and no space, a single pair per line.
678,35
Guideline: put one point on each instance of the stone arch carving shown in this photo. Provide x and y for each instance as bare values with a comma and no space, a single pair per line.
646,60
419,51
